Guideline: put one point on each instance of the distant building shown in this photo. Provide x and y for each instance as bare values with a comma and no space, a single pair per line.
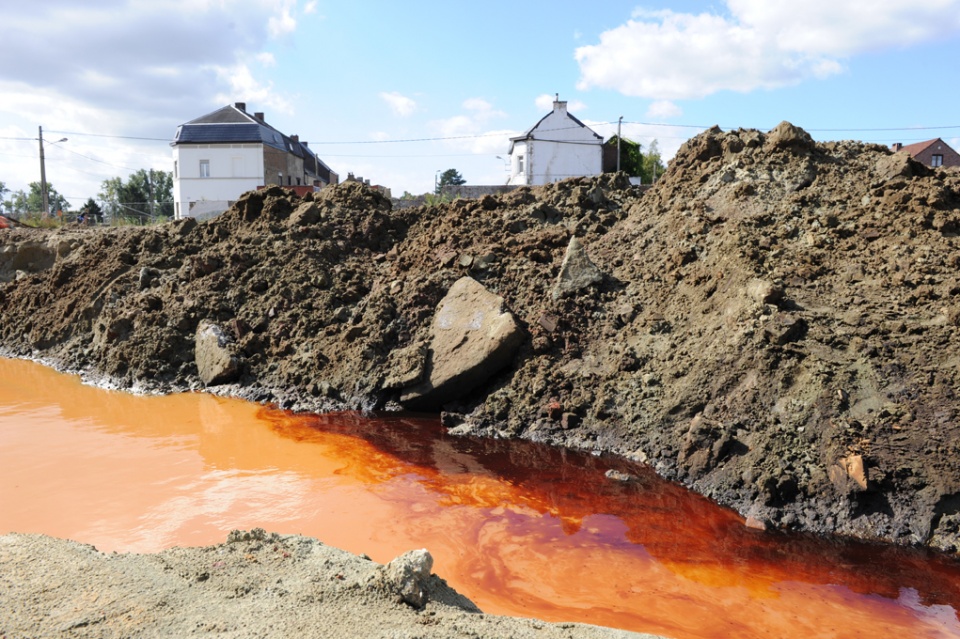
222,155
933,153
557,147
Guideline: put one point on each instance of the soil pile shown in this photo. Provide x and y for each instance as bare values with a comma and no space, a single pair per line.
254,585
774,323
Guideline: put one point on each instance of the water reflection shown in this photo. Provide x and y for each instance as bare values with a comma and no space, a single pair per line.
521,528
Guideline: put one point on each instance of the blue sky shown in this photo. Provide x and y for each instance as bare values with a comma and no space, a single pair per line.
358,80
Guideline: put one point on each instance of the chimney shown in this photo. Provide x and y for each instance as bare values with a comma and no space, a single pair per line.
558,106
241,105
259,115
896,146
295,138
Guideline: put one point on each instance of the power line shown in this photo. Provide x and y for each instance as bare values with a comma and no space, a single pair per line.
104,135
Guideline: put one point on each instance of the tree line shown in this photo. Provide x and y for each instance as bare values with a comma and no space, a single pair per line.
145,194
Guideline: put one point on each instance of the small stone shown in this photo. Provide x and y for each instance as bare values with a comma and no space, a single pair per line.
618,475
549,322
764,291
755,524
447,258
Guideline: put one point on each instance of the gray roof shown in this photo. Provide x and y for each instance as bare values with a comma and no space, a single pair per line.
232,126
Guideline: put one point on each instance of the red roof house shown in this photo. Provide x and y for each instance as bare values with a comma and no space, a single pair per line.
932,152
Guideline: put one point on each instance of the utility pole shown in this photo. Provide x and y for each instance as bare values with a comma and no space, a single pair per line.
43,178
150,191
619,122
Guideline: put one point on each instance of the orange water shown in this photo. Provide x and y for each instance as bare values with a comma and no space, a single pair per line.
521,529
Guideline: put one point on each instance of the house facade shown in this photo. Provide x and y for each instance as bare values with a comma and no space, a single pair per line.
557,147
933,153
222,155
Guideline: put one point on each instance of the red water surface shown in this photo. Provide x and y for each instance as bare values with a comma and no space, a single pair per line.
521,529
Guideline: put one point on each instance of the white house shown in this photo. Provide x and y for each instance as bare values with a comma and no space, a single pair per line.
557,147
221,155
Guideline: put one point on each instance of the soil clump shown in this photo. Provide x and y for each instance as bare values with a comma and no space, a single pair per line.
774,323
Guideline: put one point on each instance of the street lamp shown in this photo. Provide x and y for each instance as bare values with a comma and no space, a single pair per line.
43,174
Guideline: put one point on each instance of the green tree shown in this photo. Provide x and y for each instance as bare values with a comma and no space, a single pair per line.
34,202
631,156
17,204
145,194
653,166
92,211
450,177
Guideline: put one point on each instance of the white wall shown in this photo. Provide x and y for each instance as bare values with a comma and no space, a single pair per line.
234,170
559,148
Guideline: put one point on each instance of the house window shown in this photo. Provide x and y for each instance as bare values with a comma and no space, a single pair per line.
204,168
936,160
519,164
175,175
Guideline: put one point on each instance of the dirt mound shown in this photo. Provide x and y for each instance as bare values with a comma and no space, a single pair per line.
257,584
774,323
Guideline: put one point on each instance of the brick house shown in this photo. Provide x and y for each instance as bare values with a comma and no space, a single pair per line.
221,155
933,153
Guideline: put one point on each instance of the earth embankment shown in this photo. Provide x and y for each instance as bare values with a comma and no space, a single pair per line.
774,323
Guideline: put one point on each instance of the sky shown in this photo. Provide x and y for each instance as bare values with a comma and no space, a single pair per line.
397,92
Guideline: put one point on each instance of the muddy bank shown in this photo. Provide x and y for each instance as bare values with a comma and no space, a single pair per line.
774,324
255,585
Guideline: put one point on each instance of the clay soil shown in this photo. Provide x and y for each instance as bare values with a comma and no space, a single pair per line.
776,326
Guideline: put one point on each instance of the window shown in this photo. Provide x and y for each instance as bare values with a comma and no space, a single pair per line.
519,164
175,175
936,160
204,168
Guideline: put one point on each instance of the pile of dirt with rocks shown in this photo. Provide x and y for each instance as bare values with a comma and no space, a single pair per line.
257,584
774,323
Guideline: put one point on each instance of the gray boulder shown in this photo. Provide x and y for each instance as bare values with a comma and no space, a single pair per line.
408,576
472,338
214,353
576,272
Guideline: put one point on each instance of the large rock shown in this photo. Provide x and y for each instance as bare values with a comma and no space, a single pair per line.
408,576
472,338
576,272
214,355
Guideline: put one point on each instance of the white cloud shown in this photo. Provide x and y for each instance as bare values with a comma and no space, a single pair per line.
310,7
241,82
665,55
399,104
472,129
663,110
281,24
266,60
482,110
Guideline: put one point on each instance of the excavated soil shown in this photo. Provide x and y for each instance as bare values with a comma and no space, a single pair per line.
776,326
257,584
